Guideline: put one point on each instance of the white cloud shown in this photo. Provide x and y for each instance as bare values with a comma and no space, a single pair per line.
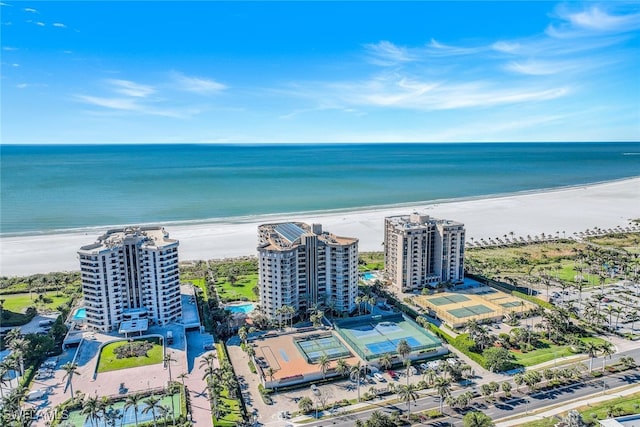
546,67
129,88
507,47
9,48
135,105
386,53
30,10
59,25
114,103
591,21
40,24
435,48
197,84
596,19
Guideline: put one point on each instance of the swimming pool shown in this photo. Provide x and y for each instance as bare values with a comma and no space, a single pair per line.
368,276
80,314
241,308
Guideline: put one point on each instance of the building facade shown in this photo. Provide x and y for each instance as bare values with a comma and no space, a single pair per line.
420,251
131,274
301,266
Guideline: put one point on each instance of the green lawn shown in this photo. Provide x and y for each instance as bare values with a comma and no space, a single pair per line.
109,362
542,355
78,419
200,283
549,352
241,290
231,409
19,302
627,404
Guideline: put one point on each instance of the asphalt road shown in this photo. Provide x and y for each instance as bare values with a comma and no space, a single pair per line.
519,404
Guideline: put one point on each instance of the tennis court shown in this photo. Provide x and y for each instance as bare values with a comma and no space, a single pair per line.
373,336
474,310
128,416
448,299
314,347
481,303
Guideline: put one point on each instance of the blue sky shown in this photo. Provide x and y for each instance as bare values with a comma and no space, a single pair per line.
156,72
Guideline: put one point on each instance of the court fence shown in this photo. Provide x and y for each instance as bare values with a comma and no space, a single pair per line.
390,345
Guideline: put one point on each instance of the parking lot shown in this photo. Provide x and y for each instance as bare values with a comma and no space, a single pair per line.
614,306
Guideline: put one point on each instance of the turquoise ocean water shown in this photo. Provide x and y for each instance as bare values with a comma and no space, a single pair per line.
54,188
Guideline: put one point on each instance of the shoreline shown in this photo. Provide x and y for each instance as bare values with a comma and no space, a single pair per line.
564,210
269,217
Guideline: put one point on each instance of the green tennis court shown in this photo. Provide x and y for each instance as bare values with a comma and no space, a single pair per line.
128,416
315,346
474,310
511,304
448,299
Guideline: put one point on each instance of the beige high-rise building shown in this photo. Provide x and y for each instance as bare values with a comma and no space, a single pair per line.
302,266
131,274
421,251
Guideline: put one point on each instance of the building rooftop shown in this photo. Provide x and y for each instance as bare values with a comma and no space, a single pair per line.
154,237
626,421
288,235
416,220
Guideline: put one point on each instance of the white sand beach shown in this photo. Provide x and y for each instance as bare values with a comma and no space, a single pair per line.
563,211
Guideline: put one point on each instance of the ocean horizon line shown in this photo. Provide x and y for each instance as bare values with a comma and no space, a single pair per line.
293,143
244,219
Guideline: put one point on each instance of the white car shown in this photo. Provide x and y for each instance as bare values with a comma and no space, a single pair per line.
315,389
378,377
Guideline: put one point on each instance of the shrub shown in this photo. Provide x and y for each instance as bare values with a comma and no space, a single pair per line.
133,349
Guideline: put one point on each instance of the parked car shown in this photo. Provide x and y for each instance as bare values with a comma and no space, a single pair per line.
315,389
378,377
392,374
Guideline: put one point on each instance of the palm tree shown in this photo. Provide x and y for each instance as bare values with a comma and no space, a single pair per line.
429,376
407,393
4,370
305,404
182,377
207,359
385,361
324,362
342,367
355,372
443,389
152,403
477,419
403,349
92,409
592,351
607,349
407,369
164,411
133,401
167,359
243,334
18,347
70,370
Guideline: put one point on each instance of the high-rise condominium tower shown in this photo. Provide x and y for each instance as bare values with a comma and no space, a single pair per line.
421,251
129,274
302,266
